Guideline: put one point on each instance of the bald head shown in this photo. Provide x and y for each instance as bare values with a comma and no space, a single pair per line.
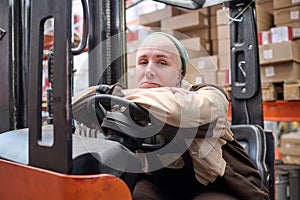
159,62
168,43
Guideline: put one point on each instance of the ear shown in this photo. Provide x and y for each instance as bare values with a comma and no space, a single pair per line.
180,75
179,79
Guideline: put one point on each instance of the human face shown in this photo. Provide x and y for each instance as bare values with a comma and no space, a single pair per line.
158,66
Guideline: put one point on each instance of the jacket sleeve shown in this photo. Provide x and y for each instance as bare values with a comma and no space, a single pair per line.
199,108
83,112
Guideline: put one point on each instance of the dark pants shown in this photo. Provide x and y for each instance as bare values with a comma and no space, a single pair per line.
145,190
240,181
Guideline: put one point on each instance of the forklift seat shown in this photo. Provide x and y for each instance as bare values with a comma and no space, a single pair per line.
257,144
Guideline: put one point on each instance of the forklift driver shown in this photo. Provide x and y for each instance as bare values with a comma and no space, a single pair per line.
214,166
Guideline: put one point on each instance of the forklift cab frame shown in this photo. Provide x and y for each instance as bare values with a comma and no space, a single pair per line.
246,91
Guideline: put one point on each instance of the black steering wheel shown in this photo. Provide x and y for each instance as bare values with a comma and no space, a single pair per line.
126,122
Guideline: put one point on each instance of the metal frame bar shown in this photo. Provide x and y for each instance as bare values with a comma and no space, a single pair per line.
57,157
5,52
107,42
245,73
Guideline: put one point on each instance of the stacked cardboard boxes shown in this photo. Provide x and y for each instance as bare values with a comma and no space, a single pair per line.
194,26
147,22
287,13
213,28
190,24
205,33
203,69
280,61
131,54
267,5
279,50
291,90
219,40
223,34
264,19
193,29
290,148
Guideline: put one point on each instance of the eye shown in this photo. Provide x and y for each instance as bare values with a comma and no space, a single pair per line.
143,62
163,62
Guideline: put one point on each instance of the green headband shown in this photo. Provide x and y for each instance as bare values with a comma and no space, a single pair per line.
182,52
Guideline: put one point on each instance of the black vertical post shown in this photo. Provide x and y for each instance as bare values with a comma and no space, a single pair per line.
19,81
96,60
56,156
25,59
12,99
6,113
245,73
107,42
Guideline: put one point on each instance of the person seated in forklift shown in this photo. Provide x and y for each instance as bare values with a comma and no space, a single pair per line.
213,165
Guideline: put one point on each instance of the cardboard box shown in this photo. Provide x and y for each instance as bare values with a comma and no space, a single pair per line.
279,72
215,47
214,9
295,29
290,143
185,22
153,19
202,70
281,34
223,32
223,78
205,63
262,27
285,3
224,47
279,52
267,5
290,159
213,33
203,11
209,77
259,2
268,92
263,17
196,44
203,33
224,62
192,43
263,38
291,90
213,20
193,75
196,53
222,16
287,15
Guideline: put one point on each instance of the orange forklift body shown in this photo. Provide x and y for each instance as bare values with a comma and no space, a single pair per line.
29,183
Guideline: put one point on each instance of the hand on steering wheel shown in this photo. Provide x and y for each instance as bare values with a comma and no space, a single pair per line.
125,121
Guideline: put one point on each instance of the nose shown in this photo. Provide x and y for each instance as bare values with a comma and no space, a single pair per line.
149,71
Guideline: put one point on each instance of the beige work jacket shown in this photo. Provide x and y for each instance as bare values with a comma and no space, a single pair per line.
206,107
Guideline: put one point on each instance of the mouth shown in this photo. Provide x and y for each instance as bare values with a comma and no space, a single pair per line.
149,85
